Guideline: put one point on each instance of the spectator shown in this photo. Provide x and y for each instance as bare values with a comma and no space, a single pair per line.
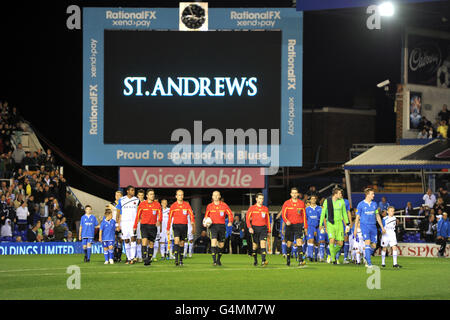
312,192
202,243
19,175
33,208
18,199
445,196
35,234
9,165
14,116
69,207
428,228
2,166
47,179
40,158
22,216
424,134
62,189
47,192
39,191
443,233
6,229
444,114
34,162
60,230
439,214
383,205
70,237
442,129
410,211
44,210
238,229
425,123
18,155
19,239
49,161
429,198
27,187
439,205
27,162
7,147
77,214
66,227
48,228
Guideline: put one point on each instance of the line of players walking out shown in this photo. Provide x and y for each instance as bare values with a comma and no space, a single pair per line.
143,226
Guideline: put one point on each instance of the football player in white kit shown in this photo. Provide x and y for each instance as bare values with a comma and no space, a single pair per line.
127,208
163,241
389,238
356,242
118,243
141,197
157,240
190,243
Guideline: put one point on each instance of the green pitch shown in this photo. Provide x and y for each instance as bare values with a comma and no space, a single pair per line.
45,277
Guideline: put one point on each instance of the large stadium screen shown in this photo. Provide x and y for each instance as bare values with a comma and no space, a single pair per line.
157,96
159,81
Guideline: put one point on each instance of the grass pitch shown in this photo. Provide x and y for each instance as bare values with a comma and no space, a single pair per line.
45,277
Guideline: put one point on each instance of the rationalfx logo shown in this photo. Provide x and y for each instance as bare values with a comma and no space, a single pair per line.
190,86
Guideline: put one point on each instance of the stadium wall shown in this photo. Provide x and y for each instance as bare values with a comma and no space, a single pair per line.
335,130
398,200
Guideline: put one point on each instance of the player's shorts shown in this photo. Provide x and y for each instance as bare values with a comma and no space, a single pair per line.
388,239
138,231
323,236
163,236
335,231
345,233
218,232
294,231
127,230
85,241
360,242
259,234
108,243
369,232
313,233
180,231
149,231
351,240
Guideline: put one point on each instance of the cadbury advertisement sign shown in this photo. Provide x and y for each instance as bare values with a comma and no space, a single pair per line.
429,61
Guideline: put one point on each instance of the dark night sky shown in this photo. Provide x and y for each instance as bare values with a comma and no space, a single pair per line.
41,62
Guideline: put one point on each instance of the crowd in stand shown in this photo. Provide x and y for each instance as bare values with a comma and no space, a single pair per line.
428,130
34,203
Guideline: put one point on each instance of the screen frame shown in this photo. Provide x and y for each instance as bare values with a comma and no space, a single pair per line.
96,20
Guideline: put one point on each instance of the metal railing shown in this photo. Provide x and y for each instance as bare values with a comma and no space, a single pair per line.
400,214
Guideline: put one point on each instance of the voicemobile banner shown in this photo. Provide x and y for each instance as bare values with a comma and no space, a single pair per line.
169,177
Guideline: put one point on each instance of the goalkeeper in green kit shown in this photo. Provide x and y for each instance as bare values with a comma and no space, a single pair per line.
334,212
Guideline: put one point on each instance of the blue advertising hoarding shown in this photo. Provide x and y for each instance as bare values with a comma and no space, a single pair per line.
103,145
19,248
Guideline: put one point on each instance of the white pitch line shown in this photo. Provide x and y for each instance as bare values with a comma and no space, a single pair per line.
148,271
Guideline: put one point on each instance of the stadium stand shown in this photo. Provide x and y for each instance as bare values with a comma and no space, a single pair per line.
29,178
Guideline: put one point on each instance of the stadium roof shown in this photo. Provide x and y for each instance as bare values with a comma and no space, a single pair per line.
429,156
